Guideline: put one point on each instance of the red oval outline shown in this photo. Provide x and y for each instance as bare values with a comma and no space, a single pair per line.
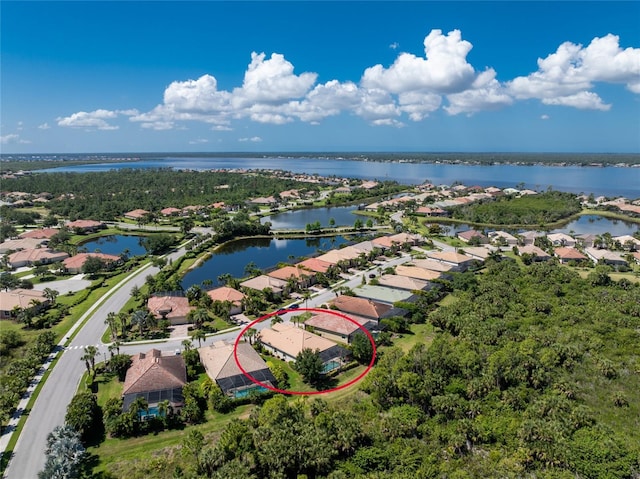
305,393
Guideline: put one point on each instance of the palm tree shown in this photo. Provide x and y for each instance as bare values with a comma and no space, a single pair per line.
114,346
139,318
251,334
198,335
50,294
92,352
276,319
139,404
306,295
186,344
198,317
123,318
111,321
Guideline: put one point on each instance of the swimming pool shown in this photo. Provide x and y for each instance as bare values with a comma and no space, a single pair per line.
245,392
330,366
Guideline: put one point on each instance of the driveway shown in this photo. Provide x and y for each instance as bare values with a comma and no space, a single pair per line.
64,286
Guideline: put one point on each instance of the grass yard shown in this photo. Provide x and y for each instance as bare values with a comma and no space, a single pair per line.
420,333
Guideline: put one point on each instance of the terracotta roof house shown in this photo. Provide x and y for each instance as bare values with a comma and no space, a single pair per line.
429,211
21,298
173,308
75,263
336,328
228,294
365,308
418,273
286,341
459,262
335,256
28,257
44,233
316,265
536,253
561,239
136,214
290,194
20,244
469,235
277,286
605,256
403,282
303,277
219,361
565,255
85,226
156,378
171,211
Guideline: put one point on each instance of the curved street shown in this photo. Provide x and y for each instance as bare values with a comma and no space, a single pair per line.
50,407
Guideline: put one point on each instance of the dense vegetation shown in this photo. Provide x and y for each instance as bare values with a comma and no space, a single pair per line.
533,372
107,195
538,209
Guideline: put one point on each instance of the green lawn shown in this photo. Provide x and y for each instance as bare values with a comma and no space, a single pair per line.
420,333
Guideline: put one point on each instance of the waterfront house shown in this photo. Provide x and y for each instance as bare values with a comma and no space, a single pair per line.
529,237
232,295
156,377
277,286
85,226
502,238
316,265
136,215
171,211
628,242
172,308
220,364
303,277
75,263
473,236
561,239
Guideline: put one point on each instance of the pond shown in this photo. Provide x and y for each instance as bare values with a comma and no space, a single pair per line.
115,244
264,252
299,219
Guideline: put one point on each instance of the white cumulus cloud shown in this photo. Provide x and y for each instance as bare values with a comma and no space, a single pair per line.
485,93
13,138
96,119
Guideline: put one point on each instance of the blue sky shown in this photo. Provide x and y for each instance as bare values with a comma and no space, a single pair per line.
320,76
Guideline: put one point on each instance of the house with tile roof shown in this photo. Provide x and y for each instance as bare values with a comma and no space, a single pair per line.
383,294
315,265
337,328
170,211
537,254
365,308
471,235
303,277
286,341
220,364
416,272
459,262
403,282
156,377
85,226
277,286
561,239
20,298
75,263
12,245
29,257
605,256
232,295
566,255
136,215
432,264
502,238
43,233
172,308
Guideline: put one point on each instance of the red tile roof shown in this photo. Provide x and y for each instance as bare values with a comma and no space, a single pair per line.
315,264
45,233
226,294
361,306
76,262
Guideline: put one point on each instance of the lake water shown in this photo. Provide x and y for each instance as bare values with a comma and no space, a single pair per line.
342,215
608,181
264,252
116,244
587,224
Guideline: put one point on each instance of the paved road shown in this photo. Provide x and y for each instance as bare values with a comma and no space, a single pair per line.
50,407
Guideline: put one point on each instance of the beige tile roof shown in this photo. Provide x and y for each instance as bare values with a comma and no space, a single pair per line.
263,281
151,371
291,340
416,272
18,244
402,282
534,250
219,362
174,306
139,213
334,323
290,271
450,257
226,294
37,254
432,264
20,298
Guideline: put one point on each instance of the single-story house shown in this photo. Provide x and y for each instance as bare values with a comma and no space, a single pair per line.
269,200
20,244
342,255
470,235
29,257
173,308
171,211
75,263
85,226
636,256
529,237
431,211
458,261
478,252
44,233
536,253
219,362
383,294
303,277
316,265
403,282
628,242
565,255
21,299
156,378
604,255
363,307
277,286
561,239
228,294
587,240
286,341
416,272
336,328
432,264
502,237
137,214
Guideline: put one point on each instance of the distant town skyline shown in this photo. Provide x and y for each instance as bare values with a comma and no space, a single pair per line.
505,76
